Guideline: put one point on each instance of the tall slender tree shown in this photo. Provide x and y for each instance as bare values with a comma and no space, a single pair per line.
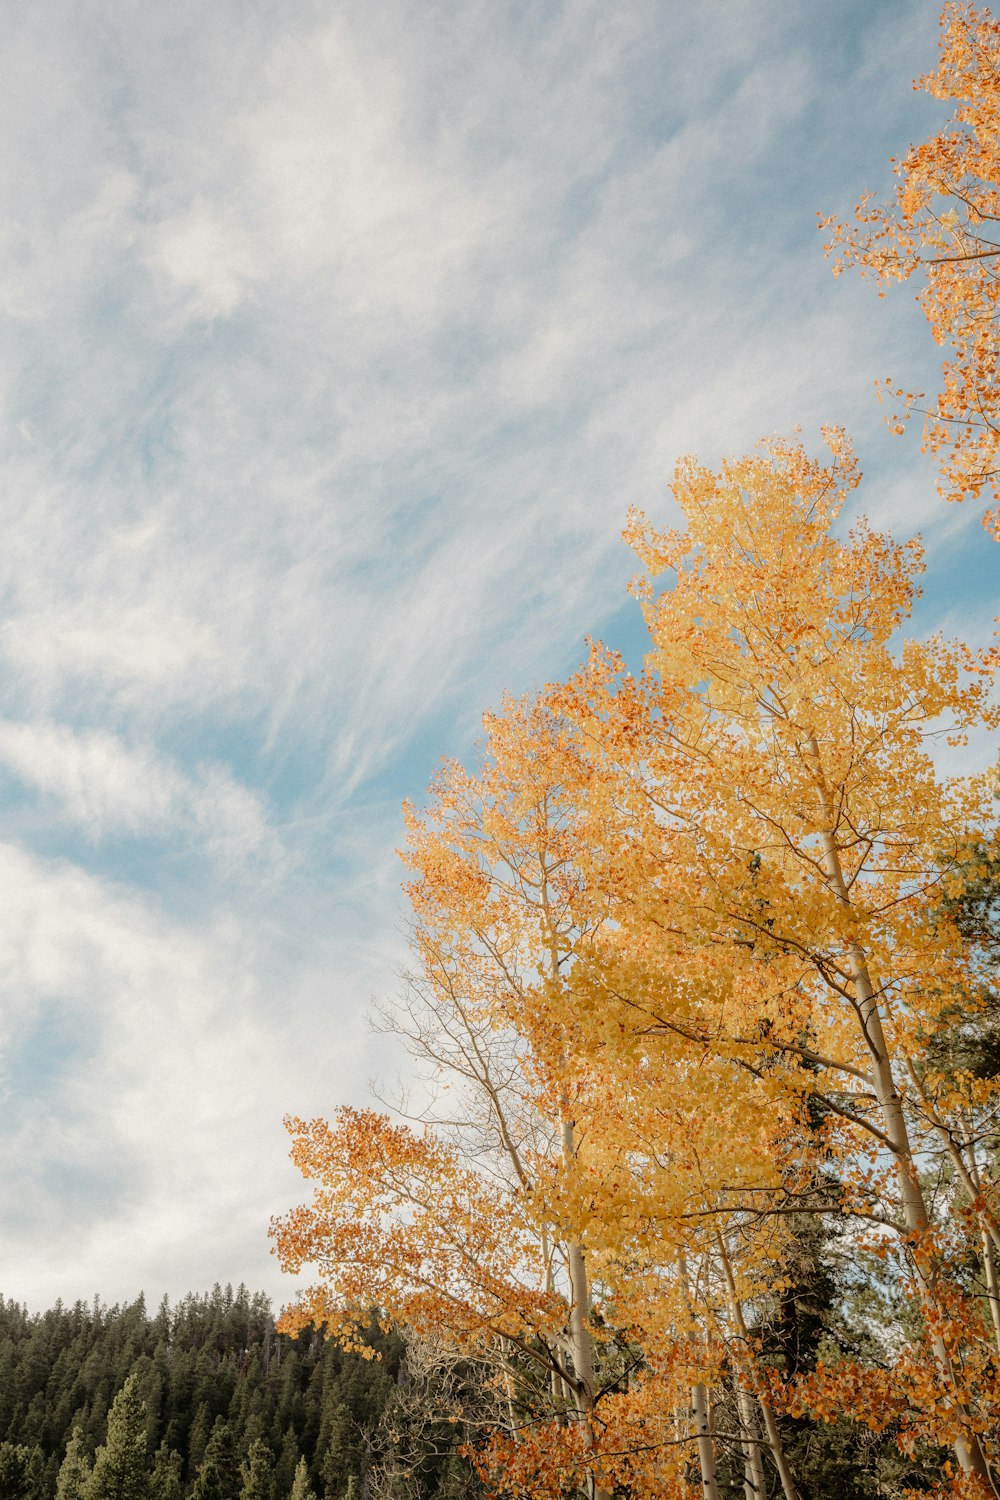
257,1473
122,1468
218,1476
823,830
301,1488
74,1472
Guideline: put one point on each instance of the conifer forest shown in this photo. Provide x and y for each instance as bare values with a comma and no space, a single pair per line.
206,1399
698,1190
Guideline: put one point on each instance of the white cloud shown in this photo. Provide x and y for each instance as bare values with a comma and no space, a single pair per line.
144,1141
107,787
114,640
207,257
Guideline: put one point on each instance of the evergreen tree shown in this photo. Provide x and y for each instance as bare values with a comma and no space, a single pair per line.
22,1472
199,1432
167,1468
343,1459
257,1473
35,1487
301,1488
219,1475
209,1358
288,1458
122,1470
74,1472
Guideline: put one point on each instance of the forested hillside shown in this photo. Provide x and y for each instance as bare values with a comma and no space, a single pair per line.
206,1400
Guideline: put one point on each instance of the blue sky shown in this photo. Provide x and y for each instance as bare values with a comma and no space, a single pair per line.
338,340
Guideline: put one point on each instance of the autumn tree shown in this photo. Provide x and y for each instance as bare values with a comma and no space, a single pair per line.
686,950
476,1229
541,1176
941,230
511,897
824,836
403,1220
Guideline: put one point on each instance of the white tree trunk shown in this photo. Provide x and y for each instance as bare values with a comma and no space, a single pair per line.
967,1448
775,1445
581,1343
701,1414
754,1485
992,1285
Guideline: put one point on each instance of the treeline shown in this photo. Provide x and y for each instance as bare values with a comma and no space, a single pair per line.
206,1400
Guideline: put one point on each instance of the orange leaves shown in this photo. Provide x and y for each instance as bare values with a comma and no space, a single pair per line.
943,226
908,1397
398,1223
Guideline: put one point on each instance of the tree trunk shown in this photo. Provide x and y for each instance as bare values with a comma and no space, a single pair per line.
702,1416
754,1486
967,1448
992,1285
968,1173
581,1343
774,1442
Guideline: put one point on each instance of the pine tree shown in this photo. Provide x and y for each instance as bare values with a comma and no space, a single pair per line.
167,1468
342,1459
219,1475
22,1471
198,1435
284,1470
122,1470
60,1369
257,1473
74,1472
301,1488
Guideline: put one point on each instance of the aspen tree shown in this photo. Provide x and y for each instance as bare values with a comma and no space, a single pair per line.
461,1228
809,739
491,1221
682,945
755,1482
639,1182
500,915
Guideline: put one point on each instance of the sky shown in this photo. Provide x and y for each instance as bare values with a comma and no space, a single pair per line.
337,340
